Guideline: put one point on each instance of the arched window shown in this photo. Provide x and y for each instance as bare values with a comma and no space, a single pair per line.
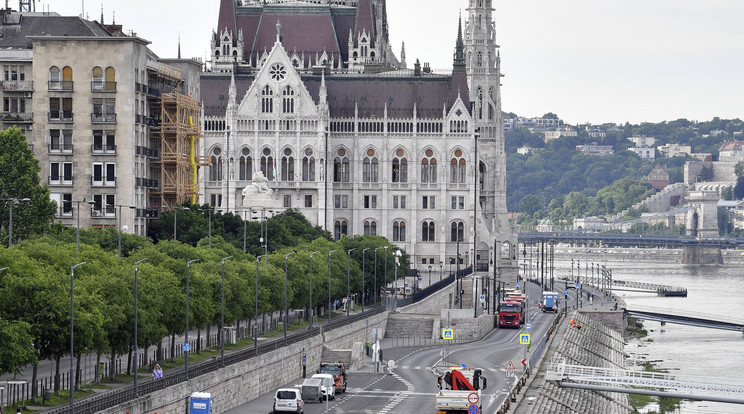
370,168
480,103
479,56
215,170
97,78
457,168
400,167
110,84
341,167
287,165
267,164
67,78
308,166
288,100
457,229
246,165
370,228
55,78
481,175
399,231
267,100
340,227
427,231
429,168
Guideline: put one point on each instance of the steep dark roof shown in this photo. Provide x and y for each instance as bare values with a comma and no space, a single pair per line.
17,34
364,22
305,32
214,92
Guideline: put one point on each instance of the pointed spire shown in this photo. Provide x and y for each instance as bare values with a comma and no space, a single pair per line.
232,91
179,45
460,47
101,13
278,31
403,56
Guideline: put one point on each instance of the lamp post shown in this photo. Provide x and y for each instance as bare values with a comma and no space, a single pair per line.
363,287
429,277
441,269
209,210
119,215
398,254
10,228
222,320
375,294
329,287
72,336
255,314
187,348
457,274
78,219
136,343
348,283
264,237
310,313
286,288
385,294
175,221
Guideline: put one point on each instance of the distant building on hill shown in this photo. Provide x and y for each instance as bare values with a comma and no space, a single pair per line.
545,226
589,223
731,149
595,132
642,141
594,149
646,153
658,177
553,133
674,150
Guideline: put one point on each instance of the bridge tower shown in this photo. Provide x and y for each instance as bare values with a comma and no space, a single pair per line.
702,222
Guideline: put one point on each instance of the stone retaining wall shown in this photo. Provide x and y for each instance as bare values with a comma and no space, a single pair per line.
245,381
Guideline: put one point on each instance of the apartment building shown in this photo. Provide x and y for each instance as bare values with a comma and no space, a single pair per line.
89,100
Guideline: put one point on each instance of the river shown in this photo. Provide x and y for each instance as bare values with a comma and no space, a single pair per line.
682,350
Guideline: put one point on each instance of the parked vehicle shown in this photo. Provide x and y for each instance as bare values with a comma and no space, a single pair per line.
459,389
338,371
511,314
312,389
328,389
521,299
288,400
550,302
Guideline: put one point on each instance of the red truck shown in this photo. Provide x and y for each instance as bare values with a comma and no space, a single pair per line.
521,299
511,314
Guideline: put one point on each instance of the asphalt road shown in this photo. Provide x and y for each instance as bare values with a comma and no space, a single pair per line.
409,384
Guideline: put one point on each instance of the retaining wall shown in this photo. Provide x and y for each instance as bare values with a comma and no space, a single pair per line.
245,381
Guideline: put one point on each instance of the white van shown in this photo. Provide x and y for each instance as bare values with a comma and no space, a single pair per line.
328,389
288,400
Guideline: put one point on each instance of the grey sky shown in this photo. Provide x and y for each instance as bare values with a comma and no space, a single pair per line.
586,60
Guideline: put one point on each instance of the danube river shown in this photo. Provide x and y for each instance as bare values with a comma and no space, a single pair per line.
681,350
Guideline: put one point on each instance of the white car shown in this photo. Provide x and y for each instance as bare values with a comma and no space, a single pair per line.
288,400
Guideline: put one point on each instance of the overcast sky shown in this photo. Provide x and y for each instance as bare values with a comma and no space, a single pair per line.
586,60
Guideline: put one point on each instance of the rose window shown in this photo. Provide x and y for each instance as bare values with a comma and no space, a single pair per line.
277,72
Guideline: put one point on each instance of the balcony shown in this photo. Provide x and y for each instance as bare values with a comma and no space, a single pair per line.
101,181
60,86
59,180
103,118
20,86
146,182
153,122
101,86
14,117
59,148
100,149
60,116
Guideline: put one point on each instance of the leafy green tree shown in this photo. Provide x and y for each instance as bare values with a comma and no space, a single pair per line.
739,188
17,349
739,169
20,179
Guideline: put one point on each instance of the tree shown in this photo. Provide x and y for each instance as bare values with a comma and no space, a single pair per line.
739,169
20,179
739,188
17,349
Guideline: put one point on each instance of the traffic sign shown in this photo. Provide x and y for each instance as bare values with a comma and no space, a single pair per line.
516,284
510,366
420,279
473,409
578,286
482,297
565,292
524,362
405,285
473,398
528,326
186,347
448,333
524,339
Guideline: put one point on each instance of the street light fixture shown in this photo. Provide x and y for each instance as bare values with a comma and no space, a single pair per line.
72,336
209,210
187,347
255,315
222,320
120,206
175,221
429,277
441,269
348,283
398,254
136,343
385,290
10,228
286,292
78,218
363,252
310,313
330,306
375,294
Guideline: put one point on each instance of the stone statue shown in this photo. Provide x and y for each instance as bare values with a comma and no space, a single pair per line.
259,186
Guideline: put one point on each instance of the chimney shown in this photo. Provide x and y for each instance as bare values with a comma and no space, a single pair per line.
417,68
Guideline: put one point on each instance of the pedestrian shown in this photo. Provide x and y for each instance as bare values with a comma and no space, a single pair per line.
578,325
572,323
19,410
157,373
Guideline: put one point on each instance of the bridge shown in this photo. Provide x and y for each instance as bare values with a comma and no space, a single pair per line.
702,321
636,382
622,285
626,239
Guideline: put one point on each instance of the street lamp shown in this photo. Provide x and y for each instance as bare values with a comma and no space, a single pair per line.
429,277
441,269
255,315
187,347
222,321
175,220
72,336
120,206
310,313
375,294
363,251
78,218
398,254
348,283
209,210
10,228
264,237
286,283
136,343
329,287
385,290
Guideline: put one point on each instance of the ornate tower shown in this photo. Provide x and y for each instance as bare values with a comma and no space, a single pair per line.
483,66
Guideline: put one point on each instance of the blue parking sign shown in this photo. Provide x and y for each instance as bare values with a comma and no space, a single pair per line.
473,409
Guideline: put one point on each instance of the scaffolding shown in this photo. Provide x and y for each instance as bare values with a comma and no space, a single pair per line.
179,160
